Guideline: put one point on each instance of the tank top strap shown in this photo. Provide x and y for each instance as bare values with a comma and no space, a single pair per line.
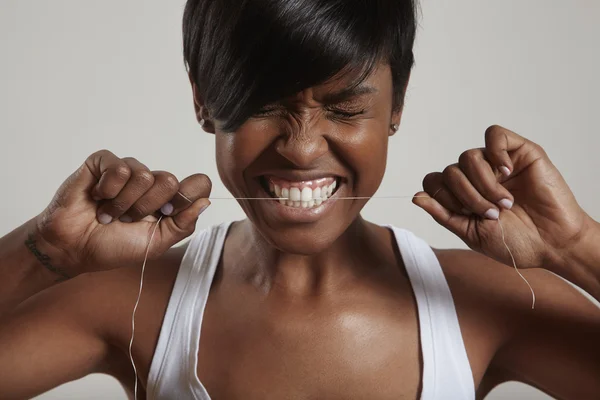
173,371
446,370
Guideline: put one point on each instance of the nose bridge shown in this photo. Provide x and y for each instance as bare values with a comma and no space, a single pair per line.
303,141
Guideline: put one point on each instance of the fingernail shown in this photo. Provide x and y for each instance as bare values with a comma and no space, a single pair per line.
492,213
167,209
104,219
504,170
506,203
203,208
126,218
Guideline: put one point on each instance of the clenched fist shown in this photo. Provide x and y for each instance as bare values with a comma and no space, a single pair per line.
103,214
513,179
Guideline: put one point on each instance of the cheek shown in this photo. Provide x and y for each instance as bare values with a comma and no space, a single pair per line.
227,164
365,153
236,152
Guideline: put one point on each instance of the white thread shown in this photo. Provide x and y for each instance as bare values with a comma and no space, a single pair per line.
515,264
135,309
330,198
271,198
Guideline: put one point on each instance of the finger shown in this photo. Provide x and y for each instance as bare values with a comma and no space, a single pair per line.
464,191
140,182
164,187
192,188
479,172
173,230
455,223
499,142
433,184
111,173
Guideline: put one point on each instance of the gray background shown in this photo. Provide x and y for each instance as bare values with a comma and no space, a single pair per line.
77,76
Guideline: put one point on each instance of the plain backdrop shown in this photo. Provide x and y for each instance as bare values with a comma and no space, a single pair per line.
80,75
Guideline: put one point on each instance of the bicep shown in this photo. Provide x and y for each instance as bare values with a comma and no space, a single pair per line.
558,348
47,341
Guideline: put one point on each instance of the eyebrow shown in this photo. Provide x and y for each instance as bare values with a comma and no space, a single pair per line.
348,93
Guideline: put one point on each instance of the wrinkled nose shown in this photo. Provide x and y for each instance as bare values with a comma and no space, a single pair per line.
304,147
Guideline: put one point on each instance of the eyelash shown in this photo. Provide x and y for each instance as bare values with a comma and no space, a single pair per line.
345,114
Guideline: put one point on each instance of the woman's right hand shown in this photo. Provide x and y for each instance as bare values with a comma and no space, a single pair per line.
102,216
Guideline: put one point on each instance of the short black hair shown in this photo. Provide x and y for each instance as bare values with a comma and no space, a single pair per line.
244,54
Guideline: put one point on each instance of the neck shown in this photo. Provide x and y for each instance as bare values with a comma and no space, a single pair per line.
358,251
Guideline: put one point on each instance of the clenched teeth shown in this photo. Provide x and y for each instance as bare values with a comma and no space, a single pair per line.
305,197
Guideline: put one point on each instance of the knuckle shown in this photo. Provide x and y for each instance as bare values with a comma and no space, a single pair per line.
430,179
122,171
144,178
100,153
469,158
538,149
168,181
451,173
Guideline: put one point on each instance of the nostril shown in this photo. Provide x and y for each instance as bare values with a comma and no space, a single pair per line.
302,151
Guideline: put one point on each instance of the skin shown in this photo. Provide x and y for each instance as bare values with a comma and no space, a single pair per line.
325,308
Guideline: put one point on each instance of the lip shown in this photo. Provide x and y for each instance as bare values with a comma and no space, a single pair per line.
288,214
299,176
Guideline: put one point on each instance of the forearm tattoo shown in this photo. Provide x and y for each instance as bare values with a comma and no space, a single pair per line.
45,259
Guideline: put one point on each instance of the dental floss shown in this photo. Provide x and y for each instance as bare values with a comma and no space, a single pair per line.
137,301
515,265
275,199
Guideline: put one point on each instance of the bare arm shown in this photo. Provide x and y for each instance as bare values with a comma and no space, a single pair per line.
28,265
557,348
49,339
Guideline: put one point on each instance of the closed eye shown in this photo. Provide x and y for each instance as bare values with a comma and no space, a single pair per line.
345,113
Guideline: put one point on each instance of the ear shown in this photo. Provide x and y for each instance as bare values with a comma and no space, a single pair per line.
395,121
202,115
397,113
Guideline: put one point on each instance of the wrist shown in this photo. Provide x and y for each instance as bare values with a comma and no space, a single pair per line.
22,274
48,254
580,263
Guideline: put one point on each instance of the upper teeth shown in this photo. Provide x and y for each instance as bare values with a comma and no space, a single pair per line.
306,197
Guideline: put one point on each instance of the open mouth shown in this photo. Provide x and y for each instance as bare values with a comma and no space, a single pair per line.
303,194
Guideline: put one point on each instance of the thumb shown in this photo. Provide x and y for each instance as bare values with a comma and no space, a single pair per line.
455,223
175,229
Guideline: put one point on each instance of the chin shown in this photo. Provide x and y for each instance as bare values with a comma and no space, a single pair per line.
306,239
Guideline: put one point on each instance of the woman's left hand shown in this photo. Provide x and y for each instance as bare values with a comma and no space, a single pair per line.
514,179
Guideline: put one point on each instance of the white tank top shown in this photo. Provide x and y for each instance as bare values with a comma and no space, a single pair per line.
446,371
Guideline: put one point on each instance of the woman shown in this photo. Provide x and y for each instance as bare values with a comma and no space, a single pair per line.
304,299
